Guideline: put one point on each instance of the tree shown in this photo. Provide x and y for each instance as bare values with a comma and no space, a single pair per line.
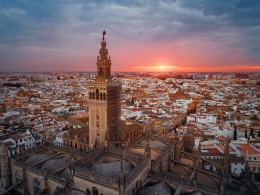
252,132
255,119
17,85
245,133
257,176
235,133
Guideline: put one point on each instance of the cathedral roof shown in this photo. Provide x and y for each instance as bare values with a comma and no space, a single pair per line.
156,189
33,159
112,168
53,165
158,145
154,154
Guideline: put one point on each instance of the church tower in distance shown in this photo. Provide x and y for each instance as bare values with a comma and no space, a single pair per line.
104,102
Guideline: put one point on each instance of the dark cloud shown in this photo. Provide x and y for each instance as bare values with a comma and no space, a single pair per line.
53,28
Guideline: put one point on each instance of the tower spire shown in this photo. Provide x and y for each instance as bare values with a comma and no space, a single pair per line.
5,168
199,150
4,152
103,62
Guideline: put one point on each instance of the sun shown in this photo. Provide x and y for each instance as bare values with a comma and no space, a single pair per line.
159,67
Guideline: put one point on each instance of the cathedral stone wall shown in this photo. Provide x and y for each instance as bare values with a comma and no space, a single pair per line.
138,181
14,170
30,181
52,185
83,185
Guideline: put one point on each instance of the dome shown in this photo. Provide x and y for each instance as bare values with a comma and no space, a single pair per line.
195,193
113,168
157,188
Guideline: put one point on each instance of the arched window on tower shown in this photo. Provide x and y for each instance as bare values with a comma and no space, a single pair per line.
17,179
95,191
101,72
108,72
100,96
97,94
36,186
88,192
104,96
90,95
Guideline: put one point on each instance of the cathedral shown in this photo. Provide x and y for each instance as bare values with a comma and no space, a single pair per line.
156,162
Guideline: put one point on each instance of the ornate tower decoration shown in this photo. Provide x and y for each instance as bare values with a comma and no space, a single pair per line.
226,167
103,63
5,168
104,102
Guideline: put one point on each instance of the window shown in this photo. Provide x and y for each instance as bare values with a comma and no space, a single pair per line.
258,168
97,94
235,163
95,191
18,178
37,186
88,192
254,168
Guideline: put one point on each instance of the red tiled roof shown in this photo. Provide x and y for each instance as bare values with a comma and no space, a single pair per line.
213,150
250,149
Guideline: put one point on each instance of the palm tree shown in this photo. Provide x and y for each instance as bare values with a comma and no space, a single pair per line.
255,119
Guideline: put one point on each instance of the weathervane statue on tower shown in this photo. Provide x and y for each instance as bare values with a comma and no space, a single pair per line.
104,33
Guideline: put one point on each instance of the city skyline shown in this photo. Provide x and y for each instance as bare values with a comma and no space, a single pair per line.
165,36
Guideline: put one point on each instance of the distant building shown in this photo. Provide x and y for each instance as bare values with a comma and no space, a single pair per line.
241,76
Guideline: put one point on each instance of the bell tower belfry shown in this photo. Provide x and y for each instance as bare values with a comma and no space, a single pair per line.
103,63
104,102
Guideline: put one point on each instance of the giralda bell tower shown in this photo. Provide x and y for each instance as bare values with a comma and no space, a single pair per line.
104,102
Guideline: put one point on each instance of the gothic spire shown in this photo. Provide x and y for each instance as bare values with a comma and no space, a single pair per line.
199,150
147,148
4,152
227,146
121,167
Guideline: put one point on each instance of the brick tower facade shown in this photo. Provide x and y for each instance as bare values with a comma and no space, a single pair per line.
104,102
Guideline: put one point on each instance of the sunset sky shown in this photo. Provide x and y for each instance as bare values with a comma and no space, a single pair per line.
152,35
